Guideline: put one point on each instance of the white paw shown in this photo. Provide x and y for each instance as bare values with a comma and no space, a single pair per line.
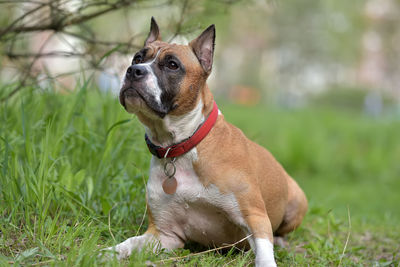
110,252
265,263
264,253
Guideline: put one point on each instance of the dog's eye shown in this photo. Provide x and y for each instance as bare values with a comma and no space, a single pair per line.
137,59
172,65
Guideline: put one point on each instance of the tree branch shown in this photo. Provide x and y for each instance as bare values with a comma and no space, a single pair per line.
57,16
40,55
61,23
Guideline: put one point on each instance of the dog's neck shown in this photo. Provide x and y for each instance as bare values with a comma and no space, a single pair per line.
174,129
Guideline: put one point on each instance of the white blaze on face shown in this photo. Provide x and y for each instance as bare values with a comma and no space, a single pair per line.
151,80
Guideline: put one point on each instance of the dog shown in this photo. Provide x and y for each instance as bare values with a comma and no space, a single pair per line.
208,183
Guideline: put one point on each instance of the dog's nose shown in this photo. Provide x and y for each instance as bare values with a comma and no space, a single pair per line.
136,72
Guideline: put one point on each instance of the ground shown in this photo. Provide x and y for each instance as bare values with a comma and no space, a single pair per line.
73,170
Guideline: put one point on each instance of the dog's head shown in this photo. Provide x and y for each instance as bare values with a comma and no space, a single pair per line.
167,78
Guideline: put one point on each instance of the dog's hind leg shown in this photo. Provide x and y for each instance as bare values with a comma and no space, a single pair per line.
295,209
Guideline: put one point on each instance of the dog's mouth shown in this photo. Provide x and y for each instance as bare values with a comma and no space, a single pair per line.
128,92
148,100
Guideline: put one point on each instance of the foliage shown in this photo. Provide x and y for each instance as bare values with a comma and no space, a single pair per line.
73,170
35,33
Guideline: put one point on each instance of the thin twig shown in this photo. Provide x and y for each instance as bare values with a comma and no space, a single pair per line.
27,72
104,43
109,222
204,252
42,263
49,54
181,19
20,1
229,262
348,237
60,24
145,211
4,31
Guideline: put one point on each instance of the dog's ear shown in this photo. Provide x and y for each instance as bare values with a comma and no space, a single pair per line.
203,47
154,34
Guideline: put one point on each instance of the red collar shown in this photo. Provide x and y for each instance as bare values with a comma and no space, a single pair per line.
186,145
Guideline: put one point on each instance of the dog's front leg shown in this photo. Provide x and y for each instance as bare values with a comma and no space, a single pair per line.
152,239
264,250
259,226
124,249
261,240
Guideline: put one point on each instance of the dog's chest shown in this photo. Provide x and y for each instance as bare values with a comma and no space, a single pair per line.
194,212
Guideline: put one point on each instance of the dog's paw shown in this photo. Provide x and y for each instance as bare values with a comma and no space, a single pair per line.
280,242
109,253
262,262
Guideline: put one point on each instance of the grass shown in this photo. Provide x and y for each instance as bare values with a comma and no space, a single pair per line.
73,171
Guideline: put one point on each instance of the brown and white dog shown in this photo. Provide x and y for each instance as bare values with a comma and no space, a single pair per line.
224,187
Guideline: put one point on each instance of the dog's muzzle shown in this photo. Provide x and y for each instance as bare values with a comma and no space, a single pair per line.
136,72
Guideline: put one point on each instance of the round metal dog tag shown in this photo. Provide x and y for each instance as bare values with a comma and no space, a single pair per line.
169,185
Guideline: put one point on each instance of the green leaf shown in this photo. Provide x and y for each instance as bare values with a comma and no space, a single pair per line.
78,178
27,254
89,184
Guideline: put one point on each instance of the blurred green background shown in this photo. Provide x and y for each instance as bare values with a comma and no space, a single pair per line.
315,82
